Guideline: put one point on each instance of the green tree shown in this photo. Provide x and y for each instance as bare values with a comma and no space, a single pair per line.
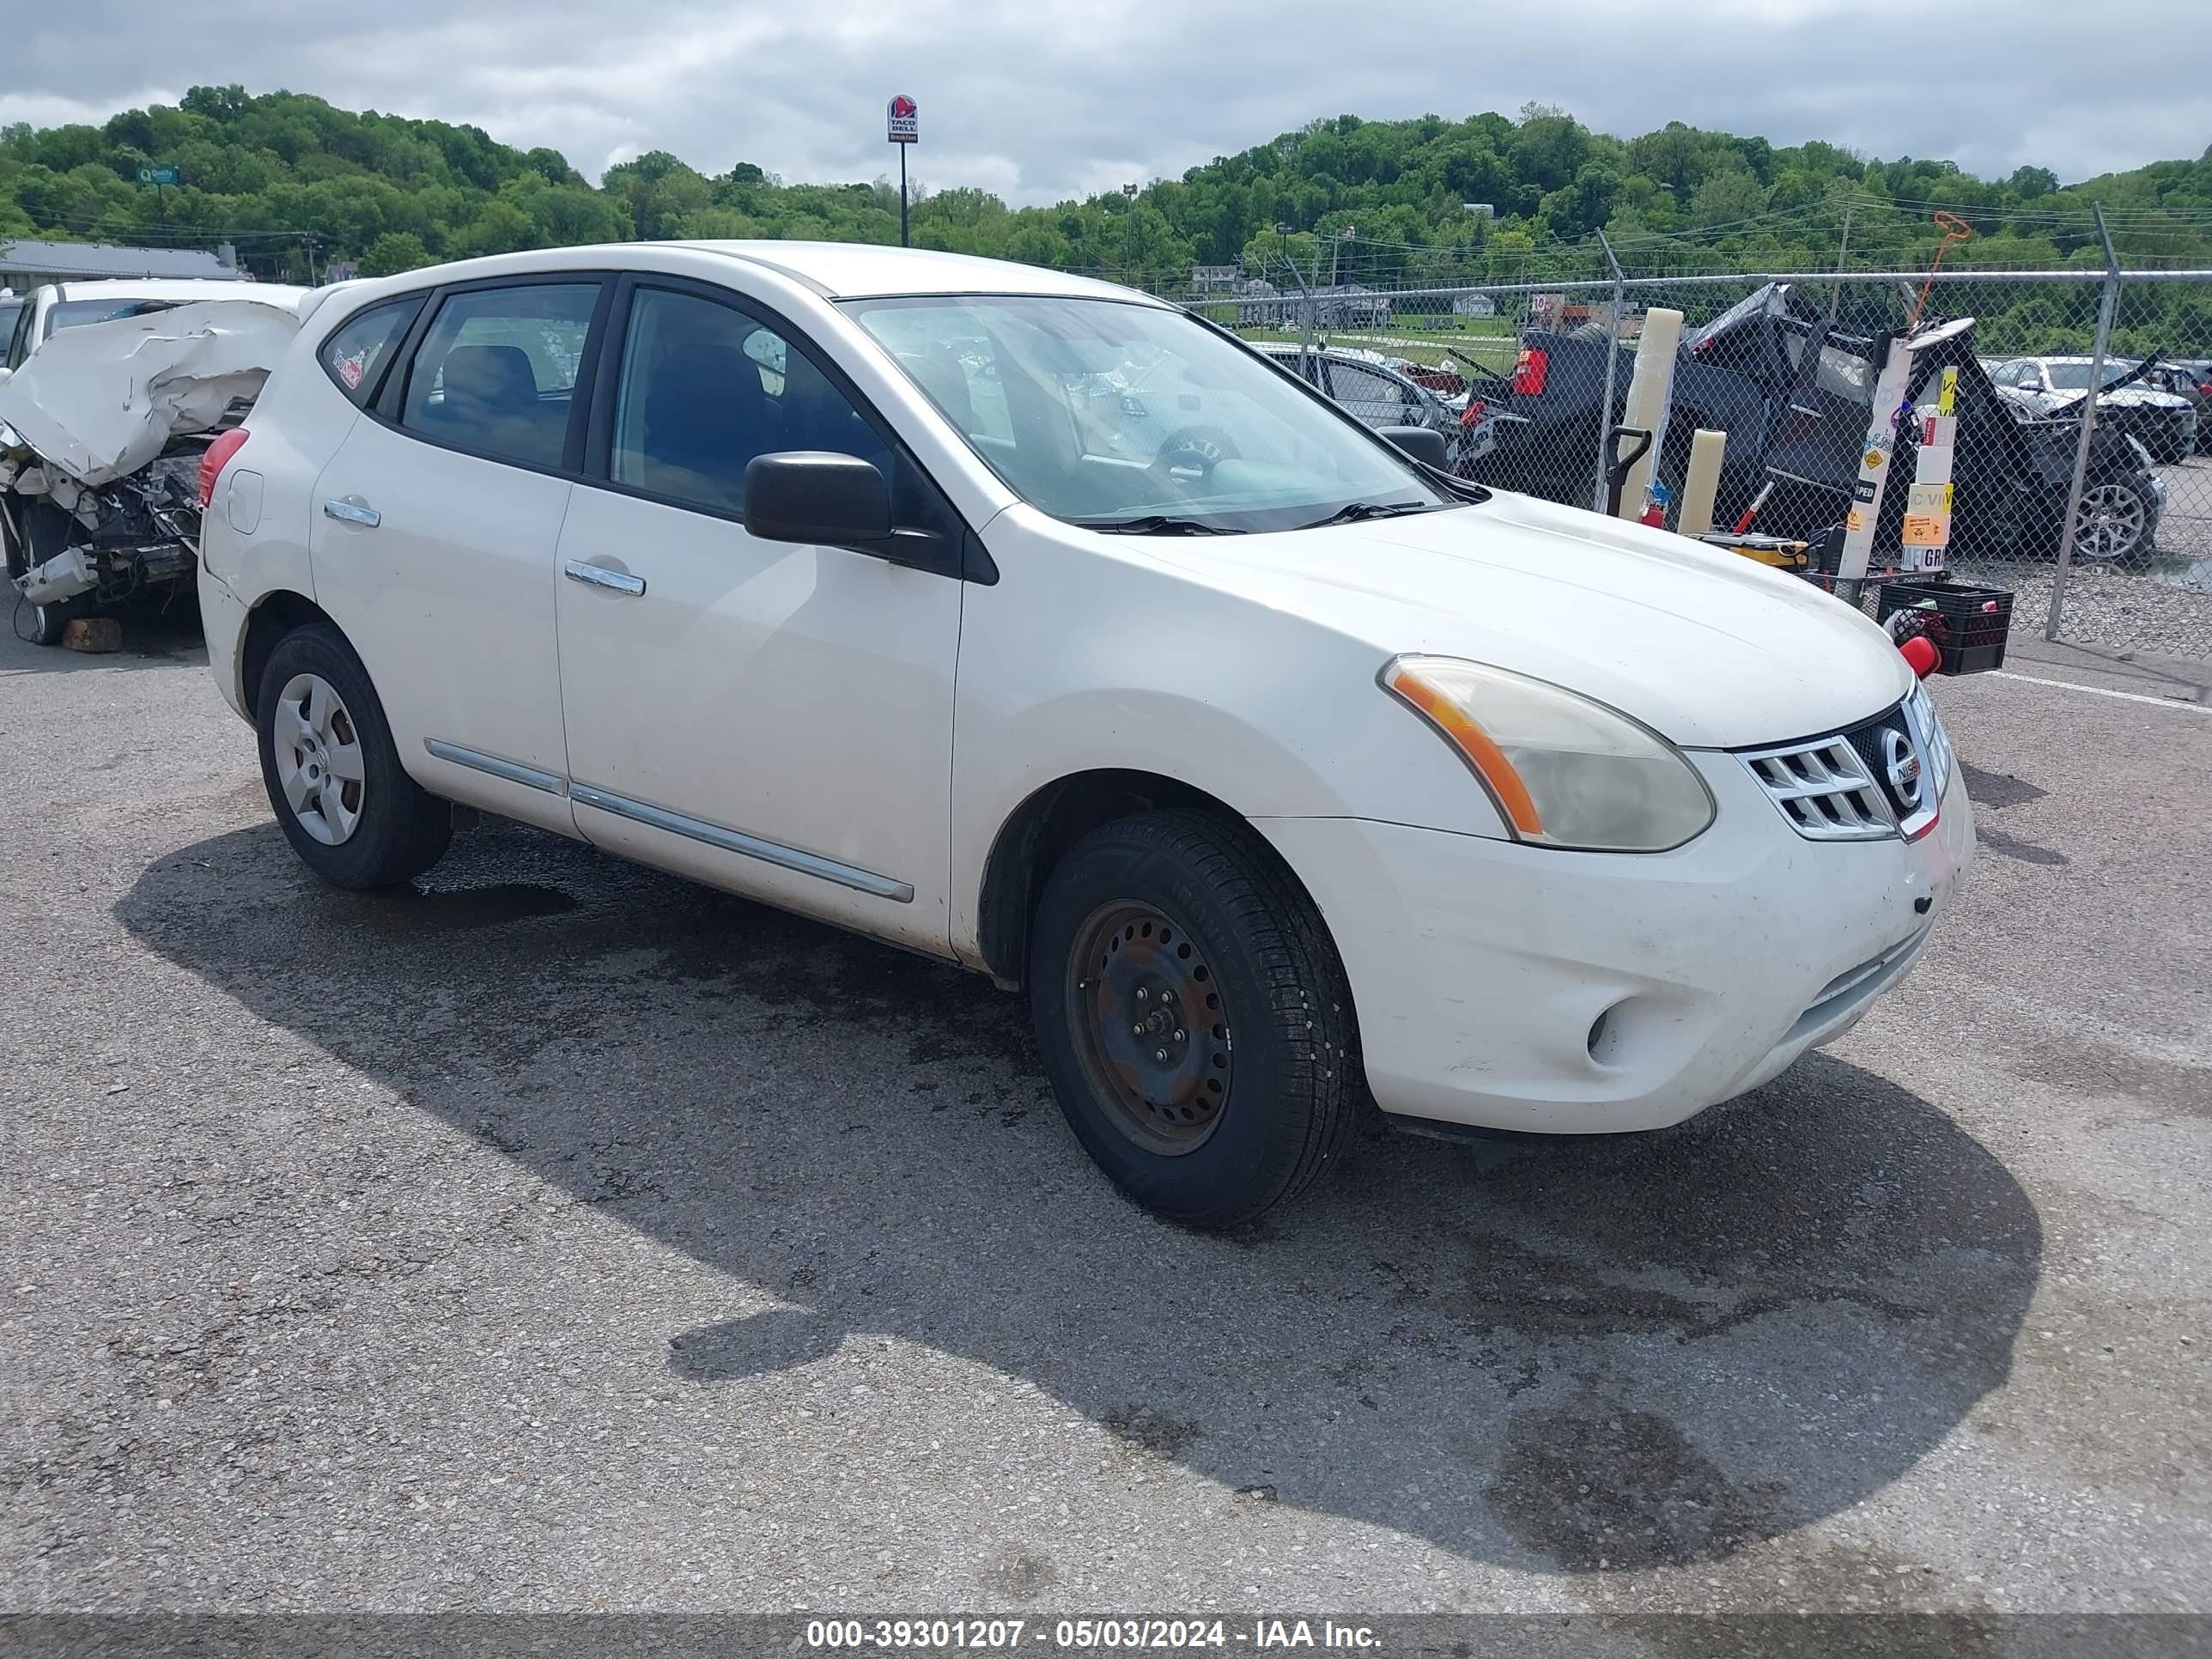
393,252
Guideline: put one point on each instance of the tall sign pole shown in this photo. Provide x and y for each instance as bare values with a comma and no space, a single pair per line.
902,121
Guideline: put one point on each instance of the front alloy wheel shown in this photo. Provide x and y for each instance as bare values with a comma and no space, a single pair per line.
317,753
2114,520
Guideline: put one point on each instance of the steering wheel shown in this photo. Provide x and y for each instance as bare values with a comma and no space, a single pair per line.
1190,455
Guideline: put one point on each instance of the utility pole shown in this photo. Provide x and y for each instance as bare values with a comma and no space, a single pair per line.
2107,305
1130,233
314,270
1843,257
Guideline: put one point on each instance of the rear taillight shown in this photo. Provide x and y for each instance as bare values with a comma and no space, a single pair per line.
2206,388
218,456
1528,371
1472,414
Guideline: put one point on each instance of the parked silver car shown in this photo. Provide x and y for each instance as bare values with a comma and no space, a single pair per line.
2165,424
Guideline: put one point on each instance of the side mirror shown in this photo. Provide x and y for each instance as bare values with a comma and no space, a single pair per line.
1420,443
814,496
6,375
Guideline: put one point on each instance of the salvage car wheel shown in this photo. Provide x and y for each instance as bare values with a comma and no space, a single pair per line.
50,622
349,810
2116,522
1194,1017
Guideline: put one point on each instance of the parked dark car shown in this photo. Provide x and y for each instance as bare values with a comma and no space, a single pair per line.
2189,378
1795,394
1383,394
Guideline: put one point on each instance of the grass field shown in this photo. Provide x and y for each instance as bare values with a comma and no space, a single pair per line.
1492,342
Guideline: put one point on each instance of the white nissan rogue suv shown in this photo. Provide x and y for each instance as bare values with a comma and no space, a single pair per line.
1041,627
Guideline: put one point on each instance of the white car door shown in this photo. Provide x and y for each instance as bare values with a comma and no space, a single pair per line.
434,531
774,719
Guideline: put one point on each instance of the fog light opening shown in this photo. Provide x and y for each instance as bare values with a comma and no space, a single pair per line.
1604,1041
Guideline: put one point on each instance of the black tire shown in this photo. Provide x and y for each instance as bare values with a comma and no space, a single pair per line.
402,829
1297,1082
50,622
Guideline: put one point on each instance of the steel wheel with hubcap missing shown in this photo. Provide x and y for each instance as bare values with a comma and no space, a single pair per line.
1151,1032
1193,1016
2112,523
319,759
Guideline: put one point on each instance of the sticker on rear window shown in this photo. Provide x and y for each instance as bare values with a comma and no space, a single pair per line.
350,369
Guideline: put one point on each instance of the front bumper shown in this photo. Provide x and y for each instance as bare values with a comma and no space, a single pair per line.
1508,987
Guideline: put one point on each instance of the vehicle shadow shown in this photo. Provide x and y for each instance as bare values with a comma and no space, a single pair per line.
1585,1357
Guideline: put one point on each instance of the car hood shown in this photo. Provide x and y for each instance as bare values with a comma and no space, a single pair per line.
1705,646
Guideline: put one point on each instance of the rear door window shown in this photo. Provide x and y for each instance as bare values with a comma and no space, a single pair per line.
355,356
495,374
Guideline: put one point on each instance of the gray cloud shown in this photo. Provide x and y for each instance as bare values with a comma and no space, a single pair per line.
1047,99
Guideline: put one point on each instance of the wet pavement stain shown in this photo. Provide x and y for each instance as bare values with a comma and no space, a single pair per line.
2100,1070
1598,1490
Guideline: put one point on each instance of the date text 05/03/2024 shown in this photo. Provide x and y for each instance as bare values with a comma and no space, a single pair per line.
1118,1635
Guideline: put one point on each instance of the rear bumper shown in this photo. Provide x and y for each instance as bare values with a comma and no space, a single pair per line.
222,616
1507,987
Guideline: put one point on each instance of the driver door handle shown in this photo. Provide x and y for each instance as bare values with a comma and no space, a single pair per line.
597,575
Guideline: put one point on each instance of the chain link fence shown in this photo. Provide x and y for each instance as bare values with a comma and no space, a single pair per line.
1530,371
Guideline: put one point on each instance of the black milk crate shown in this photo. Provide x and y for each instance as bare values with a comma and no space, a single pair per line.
1974,622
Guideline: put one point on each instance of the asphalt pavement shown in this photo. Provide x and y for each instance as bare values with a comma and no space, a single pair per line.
562,1236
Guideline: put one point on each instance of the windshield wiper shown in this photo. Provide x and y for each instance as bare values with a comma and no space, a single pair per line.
1353,512
1156,524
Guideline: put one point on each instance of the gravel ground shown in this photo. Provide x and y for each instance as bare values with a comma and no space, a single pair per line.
2112,610
561,1236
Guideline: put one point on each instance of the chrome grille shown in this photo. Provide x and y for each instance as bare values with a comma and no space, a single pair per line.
1936,742
1828,789
1824,789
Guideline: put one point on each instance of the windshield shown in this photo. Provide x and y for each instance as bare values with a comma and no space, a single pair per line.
2074,377
72,314
1114,415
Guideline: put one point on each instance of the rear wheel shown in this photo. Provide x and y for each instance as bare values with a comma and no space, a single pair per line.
348,808
1194,1017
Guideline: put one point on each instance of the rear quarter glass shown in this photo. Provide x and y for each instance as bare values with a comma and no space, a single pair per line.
358,350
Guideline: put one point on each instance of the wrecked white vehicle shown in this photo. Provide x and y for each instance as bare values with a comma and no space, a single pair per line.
102,435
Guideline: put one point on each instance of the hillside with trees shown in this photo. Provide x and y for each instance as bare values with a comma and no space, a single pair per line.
279,173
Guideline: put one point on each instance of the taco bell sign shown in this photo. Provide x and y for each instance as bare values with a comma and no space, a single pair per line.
903,116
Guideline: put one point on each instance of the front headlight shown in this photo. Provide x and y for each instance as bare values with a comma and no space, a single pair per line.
1565,771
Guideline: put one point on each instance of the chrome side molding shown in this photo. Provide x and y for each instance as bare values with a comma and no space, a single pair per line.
514,771
736,840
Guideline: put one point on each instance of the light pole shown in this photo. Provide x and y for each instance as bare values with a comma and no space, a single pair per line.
1129,239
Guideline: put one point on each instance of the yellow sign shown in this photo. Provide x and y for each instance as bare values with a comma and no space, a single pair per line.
1926,529
1874,458
1946,399
1855,519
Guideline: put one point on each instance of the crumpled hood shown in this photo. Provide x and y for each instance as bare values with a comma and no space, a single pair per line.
101,401
1705,646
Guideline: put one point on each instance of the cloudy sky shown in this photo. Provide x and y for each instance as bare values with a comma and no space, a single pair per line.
1041,98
